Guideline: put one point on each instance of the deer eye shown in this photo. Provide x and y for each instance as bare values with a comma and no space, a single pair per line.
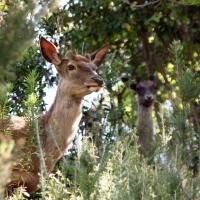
140,90
71,67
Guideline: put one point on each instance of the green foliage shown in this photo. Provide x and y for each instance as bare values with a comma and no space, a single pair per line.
55,187
16,31
126,175
18,19
31,61
4,100
18,195
190,2
188,81
31,100
17,23
161,37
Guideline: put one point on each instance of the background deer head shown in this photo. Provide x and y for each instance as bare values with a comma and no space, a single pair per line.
146,90
78,76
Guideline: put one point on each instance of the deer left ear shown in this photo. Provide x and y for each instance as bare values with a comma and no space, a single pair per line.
98,56
49,51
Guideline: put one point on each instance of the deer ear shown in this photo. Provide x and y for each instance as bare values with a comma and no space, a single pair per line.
98,56
138,79
49,51
152,78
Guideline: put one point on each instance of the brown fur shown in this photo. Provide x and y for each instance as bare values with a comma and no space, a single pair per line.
77,78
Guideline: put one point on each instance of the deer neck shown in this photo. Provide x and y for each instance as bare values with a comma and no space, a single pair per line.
145,121
61,122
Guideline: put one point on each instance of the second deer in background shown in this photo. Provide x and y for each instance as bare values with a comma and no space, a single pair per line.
146,91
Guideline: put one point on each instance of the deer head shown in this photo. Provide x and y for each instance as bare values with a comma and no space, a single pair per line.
146,90
78,76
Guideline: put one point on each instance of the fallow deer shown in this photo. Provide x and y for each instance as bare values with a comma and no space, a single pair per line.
146,91
77,78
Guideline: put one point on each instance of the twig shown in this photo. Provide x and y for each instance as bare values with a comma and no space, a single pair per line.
142,5
147,4
158,1
187,4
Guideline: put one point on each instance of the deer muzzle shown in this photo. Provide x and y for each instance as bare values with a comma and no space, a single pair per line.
148,97
98,80
94,84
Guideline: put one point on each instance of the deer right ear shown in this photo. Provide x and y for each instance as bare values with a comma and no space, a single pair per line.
49,51
98,56
138,79
152,77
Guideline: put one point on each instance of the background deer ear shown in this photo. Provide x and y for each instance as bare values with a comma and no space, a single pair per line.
152,78
98,56
138,79
49,51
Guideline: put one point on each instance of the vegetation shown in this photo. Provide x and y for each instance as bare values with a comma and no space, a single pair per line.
104,162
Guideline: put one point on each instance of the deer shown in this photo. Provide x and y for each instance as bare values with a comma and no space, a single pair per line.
78,77
146,92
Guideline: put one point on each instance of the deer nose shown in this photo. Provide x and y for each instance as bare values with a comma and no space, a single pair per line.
98,80
149,97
